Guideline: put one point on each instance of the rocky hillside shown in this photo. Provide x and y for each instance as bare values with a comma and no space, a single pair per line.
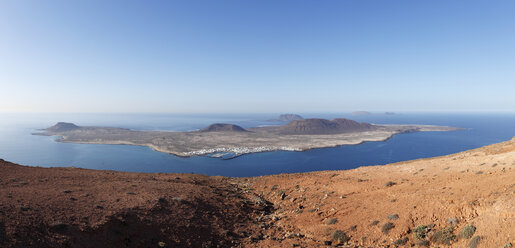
288,117
62,127
461,200
70,207
323,126
219,127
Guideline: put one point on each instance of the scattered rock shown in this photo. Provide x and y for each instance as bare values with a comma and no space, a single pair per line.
423,243
389,184
401,241
339,236
332,221
393,217
282,195
25,208
474,242
387,227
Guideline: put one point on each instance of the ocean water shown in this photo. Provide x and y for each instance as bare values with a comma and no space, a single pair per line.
18,145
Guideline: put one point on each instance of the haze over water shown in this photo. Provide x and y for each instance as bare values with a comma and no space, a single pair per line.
19,146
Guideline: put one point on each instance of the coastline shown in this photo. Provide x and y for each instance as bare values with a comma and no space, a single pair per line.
190,144
236,150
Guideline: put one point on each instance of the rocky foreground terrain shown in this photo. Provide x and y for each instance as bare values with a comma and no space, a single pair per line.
461,200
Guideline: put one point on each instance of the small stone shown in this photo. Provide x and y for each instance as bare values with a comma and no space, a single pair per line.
25,208
58,226
474,242
389,184
332,221
393,217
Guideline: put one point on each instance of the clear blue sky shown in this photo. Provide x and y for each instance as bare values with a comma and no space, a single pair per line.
257,56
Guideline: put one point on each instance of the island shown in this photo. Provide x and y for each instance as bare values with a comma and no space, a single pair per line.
229,141
287,118
358,113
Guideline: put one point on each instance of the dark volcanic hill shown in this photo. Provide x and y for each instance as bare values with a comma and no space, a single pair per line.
323,126
62,127
218,127
352,125
287,118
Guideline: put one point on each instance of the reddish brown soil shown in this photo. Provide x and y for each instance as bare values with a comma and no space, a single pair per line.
475,187
70,207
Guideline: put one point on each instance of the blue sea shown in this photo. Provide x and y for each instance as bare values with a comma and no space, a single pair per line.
18,145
